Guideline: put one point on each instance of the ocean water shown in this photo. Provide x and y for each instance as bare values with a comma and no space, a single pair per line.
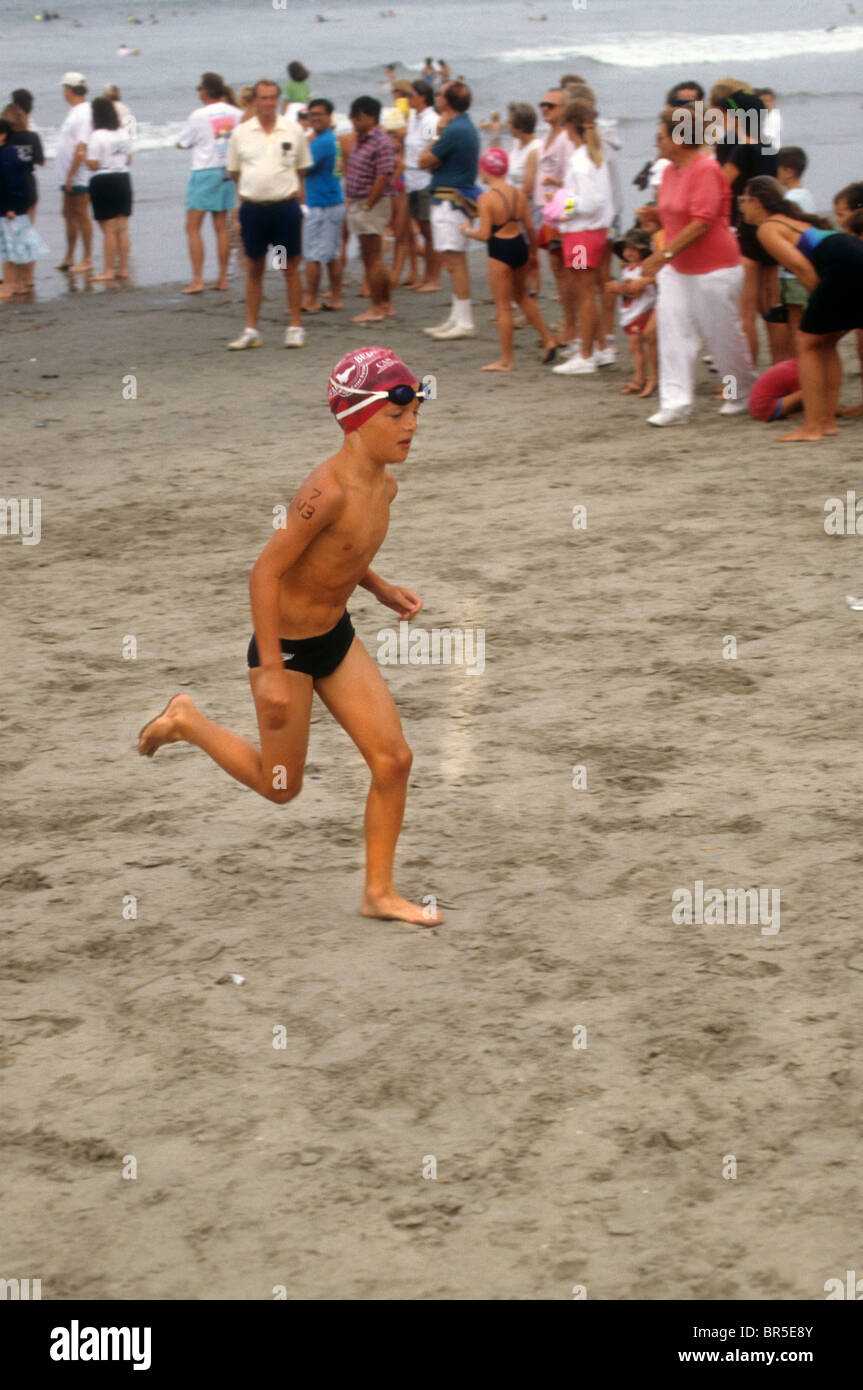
808,50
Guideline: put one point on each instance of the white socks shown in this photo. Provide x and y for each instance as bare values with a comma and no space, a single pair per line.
462,313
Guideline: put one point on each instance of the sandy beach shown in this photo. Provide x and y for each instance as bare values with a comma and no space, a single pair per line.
557,1165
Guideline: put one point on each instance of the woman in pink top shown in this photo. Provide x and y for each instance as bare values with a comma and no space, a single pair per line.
699,275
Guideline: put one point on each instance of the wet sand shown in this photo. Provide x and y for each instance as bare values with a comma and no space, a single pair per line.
600,1166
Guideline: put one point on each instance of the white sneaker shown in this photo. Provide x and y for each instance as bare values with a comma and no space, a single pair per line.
295,337
605,357
433,332
734,407
249,338
576,366
452,330
668,417
571,348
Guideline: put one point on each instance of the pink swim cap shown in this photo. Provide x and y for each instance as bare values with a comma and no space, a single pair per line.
357,377
494,161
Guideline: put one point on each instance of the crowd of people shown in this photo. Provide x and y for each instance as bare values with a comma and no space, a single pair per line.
727,239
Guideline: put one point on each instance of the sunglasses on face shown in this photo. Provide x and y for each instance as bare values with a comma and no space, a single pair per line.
399,395
548,105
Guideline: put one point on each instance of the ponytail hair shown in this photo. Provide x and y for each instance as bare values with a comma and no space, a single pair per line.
580,114
771,196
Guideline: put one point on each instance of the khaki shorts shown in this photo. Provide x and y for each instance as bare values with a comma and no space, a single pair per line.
364,223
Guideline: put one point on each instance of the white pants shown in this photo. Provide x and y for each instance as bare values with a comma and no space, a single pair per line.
695,307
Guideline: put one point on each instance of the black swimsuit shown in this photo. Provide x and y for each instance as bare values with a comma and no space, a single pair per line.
511,250
836,303
314,656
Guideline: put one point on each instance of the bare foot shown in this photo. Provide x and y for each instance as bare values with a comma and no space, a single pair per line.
220,285
392,908
166,727
64,265
196,287
428,287
364,293
369,316
107,276
389,311
649,388
412,283
312,308
499,367
849,412
801,435
80,268
333,304
632,388
6,294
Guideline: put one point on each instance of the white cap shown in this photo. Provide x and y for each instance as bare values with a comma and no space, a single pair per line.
73,79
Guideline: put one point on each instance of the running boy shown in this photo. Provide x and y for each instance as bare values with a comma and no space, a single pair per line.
304,640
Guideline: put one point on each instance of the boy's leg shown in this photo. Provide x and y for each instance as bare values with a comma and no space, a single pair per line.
357,695
275,770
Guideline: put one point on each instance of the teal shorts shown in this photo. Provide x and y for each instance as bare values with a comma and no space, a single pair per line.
210,190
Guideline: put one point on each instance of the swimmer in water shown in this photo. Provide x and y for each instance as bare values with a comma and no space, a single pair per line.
304,641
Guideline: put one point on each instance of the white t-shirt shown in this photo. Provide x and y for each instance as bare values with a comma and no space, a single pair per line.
112,149
207,132
77,126
771,125
422,127
518,156
591,188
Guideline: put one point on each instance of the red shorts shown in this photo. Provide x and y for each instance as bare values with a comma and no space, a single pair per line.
766,396
584,250
637,327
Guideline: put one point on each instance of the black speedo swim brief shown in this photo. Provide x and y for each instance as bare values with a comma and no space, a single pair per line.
315,656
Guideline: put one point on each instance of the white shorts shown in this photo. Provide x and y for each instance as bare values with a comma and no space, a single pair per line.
447,227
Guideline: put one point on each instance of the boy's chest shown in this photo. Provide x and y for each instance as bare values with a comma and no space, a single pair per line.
361,529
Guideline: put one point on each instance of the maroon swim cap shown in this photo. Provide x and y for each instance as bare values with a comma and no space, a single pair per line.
359,382
495,162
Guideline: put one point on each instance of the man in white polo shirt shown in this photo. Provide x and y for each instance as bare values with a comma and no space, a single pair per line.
73,176
267,156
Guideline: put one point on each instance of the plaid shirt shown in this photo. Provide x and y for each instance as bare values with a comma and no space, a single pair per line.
372,155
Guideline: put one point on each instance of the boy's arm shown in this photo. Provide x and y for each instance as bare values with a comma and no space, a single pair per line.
310,512
403,600
371,581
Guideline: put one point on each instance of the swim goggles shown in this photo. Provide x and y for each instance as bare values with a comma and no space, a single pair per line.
399,395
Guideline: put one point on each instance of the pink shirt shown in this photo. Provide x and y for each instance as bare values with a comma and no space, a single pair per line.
699,193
